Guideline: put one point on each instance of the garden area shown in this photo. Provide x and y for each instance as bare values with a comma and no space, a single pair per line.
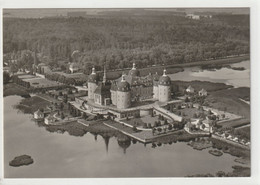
148,121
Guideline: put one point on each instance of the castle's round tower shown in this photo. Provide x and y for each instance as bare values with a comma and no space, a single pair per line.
155,86
92,83
123,94
164,87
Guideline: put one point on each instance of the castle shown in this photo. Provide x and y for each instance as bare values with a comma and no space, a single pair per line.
127,89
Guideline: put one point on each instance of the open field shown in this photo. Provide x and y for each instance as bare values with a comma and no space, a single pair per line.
14,89
228,100
243,132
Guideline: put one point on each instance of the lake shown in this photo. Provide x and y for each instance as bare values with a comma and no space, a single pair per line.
64,156
224,75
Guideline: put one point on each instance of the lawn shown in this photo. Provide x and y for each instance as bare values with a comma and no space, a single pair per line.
145,119
228,100
235,123
243,132
188,112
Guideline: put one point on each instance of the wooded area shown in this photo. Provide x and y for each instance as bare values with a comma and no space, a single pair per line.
121,40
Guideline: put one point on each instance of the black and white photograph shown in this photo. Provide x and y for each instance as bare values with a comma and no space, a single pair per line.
126,92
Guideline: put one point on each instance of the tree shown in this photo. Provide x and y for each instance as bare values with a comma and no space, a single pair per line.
134,128
61,106
187,99
84,115
159,129
220,174
6,77
170,127
62,115
166,122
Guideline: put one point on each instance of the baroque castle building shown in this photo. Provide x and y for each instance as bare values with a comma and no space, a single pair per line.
126,90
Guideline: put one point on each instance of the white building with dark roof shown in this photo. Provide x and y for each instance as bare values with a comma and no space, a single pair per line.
203,92
190,89
38,114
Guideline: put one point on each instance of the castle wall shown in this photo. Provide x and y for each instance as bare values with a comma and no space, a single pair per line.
113,97
91,89
98,99
155,92
164,93
123,100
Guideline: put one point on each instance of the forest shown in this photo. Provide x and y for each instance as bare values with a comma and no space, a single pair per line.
119,40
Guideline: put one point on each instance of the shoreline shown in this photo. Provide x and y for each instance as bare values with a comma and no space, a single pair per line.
223,61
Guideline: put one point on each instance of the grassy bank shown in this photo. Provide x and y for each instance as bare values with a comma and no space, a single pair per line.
76,129
198,85
217,61
14,89
180,135
30,105
231,149
228,100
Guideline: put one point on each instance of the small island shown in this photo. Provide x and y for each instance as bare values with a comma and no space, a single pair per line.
216,153
21,161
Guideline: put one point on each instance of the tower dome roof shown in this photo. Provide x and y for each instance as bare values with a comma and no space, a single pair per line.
165,79
134,71
93,77
123,85
156,77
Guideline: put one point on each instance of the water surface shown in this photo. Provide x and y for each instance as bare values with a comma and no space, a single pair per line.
225,75
65,156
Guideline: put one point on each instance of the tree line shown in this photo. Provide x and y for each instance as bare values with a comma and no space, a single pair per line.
120,41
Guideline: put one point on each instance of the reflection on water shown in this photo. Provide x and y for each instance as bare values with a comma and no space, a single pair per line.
225,75
65,156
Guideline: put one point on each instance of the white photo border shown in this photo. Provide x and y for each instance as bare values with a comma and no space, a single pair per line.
255,91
